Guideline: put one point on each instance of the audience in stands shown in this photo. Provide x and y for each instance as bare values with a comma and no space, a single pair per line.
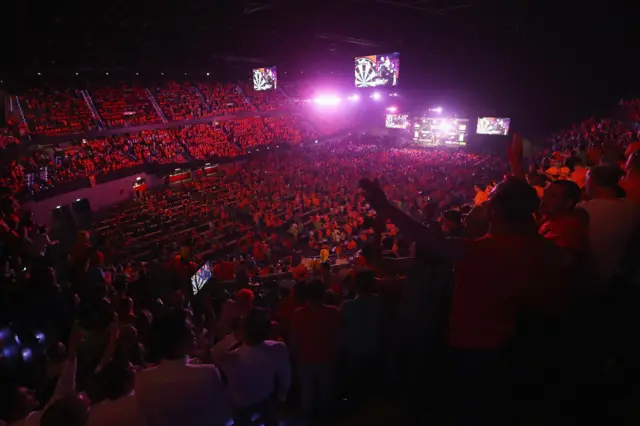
360,268
124,105
56,111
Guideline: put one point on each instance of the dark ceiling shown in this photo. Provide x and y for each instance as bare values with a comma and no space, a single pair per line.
548,57
194,33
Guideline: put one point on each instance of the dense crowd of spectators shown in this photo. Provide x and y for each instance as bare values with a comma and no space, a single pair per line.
342,272
7,137
206,141
45,168
65,111
366,297
223,98
181,101
124,105
56,111
265,100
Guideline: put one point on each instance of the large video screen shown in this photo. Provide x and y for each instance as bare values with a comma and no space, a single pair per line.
200,278
493,126
265,78
377,70
397,121
441,131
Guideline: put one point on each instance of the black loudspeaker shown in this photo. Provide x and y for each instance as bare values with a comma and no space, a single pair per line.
82,213
62,217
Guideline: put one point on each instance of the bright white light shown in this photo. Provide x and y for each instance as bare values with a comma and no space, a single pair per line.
57,207
208,74
327,100
76,73
39,74
316,140
137,74
354,98
138,178
77,199
27,354
376,96
437,110
445,126
392,109
106,73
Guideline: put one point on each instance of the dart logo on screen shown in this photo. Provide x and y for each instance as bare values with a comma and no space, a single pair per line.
397,121
265,79
493,126
377,70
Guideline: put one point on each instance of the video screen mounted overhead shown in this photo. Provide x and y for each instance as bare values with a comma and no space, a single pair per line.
265,79
397,121
440,131
493,126
377,70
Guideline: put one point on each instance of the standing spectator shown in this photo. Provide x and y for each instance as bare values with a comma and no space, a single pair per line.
233,310
361,331
315,331
561,222
631,181
176,392
612,219
259,371
488,296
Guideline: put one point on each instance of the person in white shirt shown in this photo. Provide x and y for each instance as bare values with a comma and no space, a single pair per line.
176,392
612,220
121,406
259,371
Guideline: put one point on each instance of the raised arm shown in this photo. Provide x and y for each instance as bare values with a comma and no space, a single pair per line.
66,384
111,346
449,248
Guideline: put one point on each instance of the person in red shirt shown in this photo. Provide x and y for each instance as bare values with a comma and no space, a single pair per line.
561,222
631,181
315,331
510,270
